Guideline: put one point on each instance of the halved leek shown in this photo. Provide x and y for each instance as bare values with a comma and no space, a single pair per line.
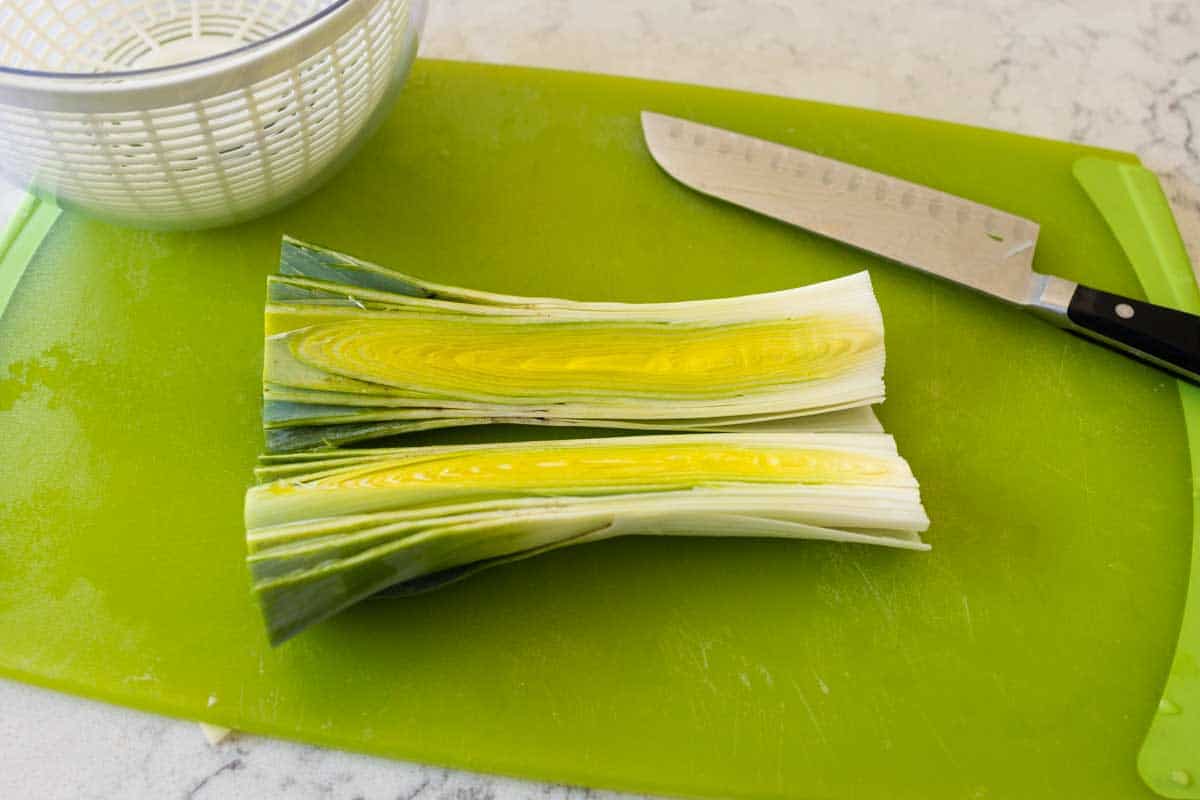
355,352
326,531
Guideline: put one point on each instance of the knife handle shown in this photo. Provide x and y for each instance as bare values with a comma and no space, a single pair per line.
1164,337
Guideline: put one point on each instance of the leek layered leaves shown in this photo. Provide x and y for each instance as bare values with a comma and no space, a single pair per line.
327,530
771,393
356,352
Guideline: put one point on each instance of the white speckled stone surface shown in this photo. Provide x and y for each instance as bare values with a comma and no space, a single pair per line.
1105,72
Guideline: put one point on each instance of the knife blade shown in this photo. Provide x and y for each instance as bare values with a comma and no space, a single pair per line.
980,247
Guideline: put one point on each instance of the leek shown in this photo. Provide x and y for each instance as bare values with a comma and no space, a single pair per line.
355,352
326,530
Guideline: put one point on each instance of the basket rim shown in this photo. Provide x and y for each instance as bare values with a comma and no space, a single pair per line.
125,74
190,81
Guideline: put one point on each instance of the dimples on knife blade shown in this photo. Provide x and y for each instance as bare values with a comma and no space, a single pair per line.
940,233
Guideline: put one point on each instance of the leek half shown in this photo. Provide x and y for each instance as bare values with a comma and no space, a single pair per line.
326,531
355,352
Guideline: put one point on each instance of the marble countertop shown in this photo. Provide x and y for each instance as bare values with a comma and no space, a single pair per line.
1104,72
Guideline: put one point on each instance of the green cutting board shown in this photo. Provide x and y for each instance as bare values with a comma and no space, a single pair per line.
1021,658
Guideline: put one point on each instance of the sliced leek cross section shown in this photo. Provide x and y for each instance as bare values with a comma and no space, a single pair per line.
355,352
326,530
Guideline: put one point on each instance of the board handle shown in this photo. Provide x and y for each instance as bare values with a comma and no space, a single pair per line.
19,240
1132,203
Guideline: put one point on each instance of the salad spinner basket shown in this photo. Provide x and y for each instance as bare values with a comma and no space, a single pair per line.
193,113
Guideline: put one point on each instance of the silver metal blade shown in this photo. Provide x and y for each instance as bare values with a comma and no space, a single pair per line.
981,247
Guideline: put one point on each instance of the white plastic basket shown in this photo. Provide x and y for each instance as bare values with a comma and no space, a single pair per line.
193,113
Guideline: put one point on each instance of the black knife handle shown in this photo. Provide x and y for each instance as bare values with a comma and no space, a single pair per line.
1164,337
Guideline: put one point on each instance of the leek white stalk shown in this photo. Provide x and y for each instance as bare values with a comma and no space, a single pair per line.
326,531
356,352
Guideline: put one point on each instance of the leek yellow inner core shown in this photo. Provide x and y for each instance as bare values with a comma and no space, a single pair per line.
560,359
635,466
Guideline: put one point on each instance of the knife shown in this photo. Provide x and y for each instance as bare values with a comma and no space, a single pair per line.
983,248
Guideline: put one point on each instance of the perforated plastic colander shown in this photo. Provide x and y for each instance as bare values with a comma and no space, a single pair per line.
193,113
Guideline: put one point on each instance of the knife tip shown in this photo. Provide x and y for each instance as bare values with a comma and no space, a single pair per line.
651,117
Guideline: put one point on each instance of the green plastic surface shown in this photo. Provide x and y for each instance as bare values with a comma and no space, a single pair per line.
1132,202
1022,657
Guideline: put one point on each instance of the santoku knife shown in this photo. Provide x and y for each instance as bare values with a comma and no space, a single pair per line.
980,247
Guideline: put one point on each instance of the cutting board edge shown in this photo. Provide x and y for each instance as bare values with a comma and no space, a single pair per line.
184,709
659,83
